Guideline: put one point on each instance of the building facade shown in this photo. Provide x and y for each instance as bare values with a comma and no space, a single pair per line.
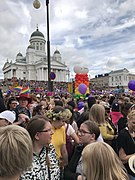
34,65
100,82
112,80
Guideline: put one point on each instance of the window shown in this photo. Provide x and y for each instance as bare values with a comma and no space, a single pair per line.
120,78
37,46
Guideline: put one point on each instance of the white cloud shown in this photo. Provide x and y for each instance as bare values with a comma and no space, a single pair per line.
97,34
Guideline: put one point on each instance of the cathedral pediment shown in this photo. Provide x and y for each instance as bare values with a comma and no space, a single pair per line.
57,63
6,65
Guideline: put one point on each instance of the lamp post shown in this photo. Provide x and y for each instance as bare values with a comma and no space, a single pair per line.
36,5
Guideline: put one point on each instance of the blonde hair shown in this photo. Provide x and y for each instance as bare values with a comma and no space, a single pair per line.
101,162
131,115
97,114
15,150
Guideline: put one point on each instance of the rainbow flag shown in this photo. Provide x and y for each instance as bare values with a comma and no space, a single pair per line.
25,90
18,88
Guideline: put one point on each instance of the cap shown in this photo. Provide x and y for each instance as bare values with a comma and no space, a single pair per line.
8,115
80,105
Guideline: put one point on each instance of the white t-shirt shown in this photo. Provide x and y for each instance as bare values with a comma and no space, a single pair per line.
100,139
70,129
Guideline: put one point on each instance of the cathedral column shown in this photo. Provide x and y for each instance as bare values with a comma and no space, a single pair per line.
11,73
42,74
45,74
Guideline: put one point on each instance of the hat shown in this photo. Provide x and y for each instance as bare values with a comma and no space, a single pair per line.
25,96
131,163
115,107
8,115
80,105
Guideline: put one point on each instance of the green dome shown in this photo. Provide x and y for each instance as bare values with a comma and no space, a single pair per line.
19,54
31,46
56,52
37,33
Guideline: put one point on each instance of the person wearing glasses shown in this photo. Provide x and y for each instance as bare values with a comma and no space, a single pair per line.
88,133
45,163
11,104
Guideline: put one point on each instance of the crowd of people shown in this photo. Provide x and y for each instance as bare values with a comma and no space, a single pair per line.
35,86
62,137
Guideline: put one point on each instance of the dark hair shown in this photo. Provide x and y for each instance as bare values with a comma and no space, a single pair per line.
71,103
36,124
115,107
91,101
93,128
10,101
58,103
57,109
37,109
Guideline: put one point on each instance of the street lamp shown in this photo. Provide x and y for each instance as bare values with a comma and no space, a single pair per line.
36,5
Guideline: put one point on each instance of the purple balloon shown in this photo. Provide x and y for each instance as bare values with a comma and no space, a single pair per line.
131,85
82,88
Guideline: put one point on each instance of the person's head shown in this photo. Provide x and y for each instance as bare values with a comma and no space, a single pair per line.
58,103
125,109
115,107
97,113
68,116
91,100
88,132
7,117
12,103
71,104
131,163
103,163
40,130
15,151
57,116
131,121
39,109
24,99
126,100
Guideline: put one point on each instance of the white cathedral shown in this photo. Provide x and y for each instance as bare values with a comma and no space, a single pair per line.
34,65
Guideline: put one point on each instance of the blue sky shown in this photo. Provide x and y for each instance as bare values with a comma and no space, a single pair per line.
96,34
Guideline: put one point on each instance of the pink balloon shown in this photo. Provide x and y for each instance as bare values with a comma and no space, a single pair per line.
85,70
77,69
